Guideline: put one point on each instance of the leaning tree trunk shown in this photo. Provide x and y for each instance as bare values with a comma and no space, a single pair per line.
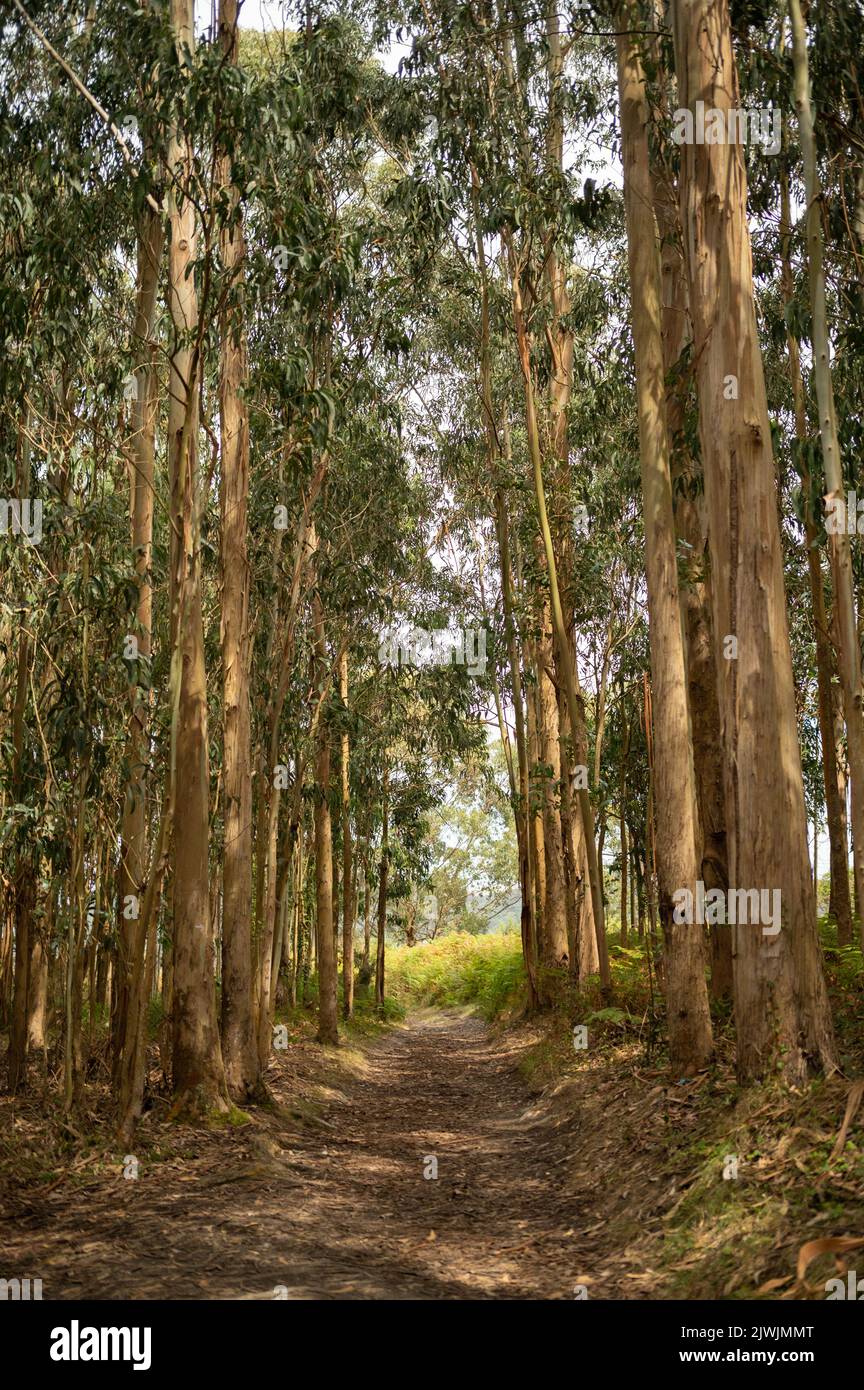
564,666
781,1006
502,532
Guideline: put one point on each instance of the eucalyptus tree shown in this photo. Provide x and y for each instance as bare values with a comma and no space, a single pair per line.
690,1040
780,1002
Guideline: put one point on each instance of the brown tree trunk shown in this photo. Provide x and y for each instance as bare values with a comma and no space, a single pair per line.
24,876
781,1006
691,524
689,1023
536,844
238,1028
199,1077
328,1022
554,944
564,666
367,918
132,876
24,887
841,906
383,876
37,1004
522,808
348,904
849,650
624,883
842,797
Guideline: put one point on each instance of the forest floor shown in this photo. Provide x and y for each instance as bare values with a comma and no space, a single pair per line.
550,1176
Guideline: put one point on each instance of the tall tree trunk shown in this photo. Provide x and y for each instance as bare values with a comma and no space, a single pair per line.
132,876
347,860
624,883
849,652
841,906
565,667
24,894
536,845
383,876
37,1004
522,808
691,525
689,1023
24,874
842,797
199,1077
238,1029
367,917
554,944
328,1022
781,1006
528,923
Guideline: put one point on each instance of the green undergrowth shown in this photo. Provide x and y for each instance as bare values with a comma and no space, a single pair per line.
484,971
487,972
367,1021
762,1179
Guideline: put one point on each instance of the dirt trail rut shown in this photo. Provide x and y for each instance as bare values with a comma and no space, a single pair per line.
341,1210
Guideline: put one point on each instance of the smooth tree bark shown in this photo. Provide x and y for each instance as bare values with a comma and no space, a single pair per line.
625,852
839,548
498,445
24,869
536,835
365,968
691,525
554,942
840,904
688,1017
781,1008
565,667
198,1073
131,879
383,877
269,794
328,1022
842,798
527,923
348,882
238,1025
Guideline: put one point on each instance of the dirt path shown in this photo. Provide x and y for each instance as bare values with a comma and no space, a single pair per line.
340,1209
